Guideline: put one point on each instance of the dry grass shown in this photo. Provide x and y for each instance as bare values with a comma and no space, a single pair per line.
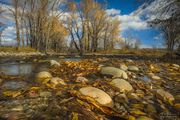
14,49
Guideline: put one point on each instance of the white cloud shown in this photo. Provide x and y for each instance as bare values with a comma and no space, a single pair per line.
132,22
9,33
113,12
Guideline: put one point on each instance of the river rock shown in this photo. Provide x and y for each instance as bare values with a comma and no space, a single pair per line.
130,61
121,98
123,67
175,65
115,72
56,81
154,77
133,68
99,95
164,95
81,80
54,63
151,109
43,77
123,85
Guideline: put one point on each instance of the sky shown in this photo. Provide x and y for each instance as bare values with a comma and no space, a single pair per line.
135,26
132,25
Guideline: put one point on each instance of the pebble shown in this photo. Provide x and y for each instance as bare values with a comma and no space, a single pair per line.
123,67
81,80
133,68
54,63
56,81
164,95
155,77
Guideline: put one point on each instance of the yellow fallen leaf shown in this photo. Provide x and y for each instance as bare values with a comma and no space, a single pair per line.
11,93
34,88
137,112
177,105
74,116
131,118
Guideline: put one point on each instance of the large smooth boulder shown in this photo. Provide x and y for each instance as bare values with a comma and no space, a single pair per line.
115,72
123,85
99,95
164,95
54,63
43,77
133,68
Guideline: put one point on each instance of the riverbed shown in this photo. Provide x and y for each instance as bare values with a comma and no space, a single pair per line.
23,96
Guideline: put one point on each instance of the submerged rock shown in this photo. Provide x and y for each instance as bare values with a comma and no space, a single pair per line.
54,63
43,77
121,98
99,95
115,72
133,68
164,95
123,85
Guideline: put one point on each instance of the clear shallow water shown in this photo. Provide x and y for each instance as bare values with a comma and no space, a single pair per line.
22,69
145,78
15,68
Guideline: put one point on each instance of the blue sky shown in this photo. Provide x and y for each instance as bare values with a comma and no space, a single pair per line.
150,37
131,25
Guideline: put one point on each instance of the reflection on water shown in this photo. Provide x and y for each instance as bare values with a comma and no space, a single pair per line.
14,85
145,78
22,69
29,68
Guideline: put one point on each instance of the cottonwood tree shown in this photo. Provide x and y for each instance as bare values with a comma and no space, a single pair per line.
89,25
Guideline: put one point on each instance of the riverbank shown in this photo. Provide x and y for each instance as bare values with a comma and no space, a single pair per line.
98,88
